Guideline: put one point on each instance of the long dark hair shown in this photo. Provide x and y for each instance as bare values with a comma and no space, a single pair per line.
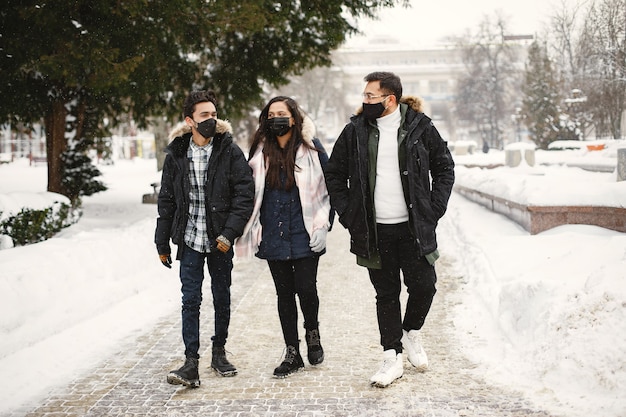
280,158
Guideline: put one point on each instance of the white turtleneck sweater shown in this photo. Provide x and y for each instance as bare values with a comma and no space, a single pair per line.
388,195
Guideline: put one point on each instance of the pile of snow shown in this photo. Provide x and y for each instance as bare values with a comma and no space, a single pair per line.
543,314
66,303
13,202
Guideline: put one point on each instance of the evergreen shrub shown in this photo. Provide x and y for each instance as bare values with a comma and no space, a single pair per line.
32,226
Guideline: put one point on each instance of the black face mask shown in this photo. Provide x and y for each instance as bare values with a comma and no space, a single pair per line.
278,126
373,111
207,128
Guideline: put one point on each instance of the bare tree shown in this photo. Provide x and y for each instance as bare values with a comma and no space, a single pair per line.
602,57
319,92
564,30
486,91
566,23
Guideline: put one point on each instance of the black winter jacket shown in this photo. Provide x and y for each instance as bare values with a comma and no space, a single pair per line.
422,153
229,190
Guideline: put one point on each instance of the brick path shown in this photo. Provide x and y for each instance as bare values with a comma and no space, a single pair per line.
132,382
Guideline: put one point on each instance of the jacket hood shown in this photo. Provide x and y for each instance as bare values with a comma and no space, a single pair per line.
415,103
308,130
223,126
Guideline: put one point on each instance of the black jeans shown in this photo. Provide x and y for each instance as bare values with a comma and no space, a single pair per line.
399,252
220,266
293,277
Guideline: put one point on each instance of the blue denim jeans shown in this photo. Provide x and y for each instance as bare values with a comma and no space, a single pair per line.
398,252
220,266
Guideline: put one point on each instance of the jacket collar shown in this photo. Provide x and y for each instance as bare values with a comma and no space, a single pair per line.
414,102
223,126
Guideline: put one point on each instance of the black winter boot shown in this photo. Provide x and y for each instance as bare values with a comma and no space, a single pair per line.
187,375
220,363
315,352
292,363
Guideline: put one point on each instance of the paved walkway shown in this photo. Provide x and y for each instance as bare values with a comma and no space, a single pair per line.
132,382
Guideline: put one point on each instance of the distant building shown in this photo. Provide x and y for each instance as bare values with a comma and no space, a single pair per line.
428,72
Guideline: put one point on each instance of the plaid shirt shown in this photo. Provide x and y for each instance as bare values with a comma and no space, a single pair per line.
196,236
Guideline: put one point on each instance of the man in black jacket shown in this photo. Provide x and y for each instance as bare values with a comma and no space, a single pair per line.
379,181
205,200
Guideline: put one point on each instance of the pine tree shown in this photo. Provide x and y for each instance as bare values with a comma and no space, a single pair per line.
541,98
63,58
79,173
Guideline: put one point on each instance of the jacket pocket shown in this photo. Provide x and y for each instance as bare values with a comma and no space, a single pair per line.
176,229
427,211
218,214
348,217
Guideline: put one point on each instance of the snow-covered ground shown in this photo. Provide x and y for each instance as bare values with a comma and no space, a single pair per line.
541,313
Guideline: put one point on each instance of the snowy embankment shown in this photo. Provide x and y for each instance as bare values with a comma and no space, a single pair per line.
66,303
543,313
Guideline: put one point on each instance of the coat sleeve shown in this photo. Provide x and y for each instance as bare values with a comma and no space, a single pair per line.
441,169
166,206
337,173
241,183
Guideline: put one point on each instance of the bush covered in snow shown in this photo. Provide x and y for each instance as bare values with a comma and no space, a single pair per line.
35,225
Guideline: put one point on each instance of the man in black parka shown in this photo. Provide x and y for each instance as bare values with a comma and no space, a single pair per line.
205,200
389,177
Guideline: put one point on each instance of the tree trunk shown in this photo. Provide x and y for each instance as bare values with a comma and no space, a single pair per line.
81,112
54,122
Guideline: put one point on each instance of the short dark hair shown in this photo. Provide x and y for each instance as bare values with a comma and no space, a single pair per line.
195,97
389,82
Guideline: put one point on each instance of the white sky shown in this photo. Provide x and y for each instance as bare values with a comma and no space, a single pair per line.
429,20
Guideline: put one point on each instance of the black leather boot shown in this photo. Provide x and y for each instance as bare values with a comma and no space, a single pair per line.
315,352
219,362
187,375
292,363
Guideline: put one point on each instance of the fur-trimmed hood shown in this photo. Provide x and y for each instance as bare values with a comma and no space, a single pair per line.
308,130
223,126
415,103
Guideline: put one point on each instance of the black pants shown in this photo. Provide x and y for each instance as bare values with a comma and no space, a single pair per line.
399,252
293,277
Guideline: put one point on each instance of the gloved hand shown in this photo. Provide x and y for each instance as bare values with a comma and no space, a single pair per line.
166,260
318,240
223,244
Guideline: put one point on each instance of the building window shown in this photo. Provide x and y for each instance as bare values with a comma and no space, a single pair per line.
438,87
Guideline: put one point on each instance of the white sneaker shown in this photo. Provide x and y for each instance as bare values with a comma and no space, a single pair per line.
391,369
415,351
